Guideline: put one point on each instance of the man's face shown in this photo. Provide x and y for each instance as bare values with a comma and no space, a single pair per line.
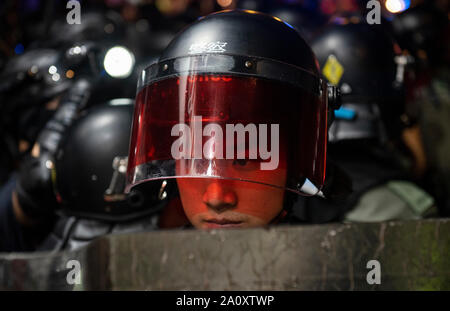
224,203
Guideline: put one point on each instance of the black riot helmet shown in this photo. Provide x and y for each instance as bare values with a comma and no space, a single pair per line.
231,68
90,166
361,59
31,76
32,80
27,83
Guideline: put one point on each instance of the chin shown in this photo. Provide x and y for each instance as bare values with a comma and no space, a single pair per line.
208,226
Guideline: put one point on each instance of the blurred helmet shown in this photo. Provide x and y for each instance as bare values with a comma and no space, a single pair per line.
33,77
361,60
27,83
95,26
231,69
91,163
32,80
421,30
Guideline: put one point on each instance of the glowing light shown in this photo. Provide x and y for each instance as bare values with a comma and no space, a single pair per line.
76,50
19,49
119,62
224,3
120,102
55,77
277,19
49,164
52,69
289,25
397,6
70,74
109,28
34,69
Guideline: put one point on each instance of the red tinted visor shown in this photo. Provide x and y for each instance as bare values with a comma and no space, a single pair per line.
219,116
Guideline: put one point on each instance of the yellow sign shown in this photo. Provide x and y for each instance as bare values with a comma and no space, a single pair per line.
333,70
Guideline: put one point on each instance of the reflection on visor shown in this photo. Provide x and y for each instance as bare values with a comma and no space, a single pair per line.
228,127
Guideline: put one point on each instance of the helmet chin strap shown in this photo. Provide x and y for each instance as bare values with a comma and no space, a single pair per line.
279,217
306,187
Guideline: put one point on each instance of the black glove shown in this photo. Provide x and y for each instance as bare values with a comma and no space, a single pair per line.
34,187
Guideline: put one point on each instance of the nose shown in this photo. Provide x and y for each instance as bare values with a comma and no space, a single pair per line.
219,197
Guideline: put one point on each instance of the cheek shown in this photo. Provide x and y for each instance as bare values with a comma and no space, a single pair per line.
260,201
191,194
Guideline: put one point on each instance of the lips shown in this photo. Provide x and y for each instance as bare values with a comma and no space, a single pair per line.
222,223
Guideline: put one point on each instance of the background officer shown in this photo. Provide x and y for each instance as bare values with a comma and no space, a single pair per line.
365,139
423,33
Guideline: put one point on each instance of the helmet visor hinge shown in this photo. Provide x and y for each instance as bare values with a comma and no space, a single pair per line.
334,97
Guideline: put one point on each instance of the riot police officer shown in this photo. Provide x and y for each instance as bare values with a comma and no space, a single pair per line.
29,95
33,86
67,79
244,71
89,180
365,139
423,33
